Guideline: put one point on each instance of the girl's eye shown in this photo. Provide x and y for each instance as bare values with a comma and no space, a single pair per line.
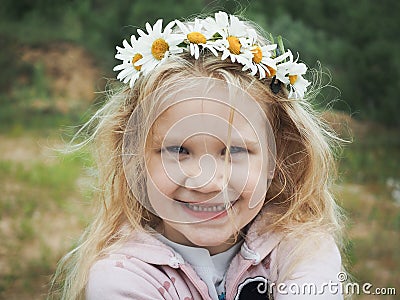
177,150
234,150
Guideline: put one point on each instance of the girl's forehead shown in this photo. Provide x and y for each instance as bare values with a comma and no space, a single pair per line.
214,98
202,111
198,106
205,117
205,95
206,106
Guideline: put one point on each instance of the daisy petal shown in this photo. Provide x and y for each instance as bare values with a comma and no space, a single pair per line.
157,28
148,28
141,32
168,28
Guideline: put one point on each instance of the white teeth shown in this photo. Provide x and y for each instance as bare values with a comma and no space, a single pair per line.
215,208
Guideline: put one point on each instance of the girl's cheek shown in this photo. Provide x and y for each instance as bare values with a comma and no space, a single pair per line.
245,171
239,177
249,179
164,176
172,172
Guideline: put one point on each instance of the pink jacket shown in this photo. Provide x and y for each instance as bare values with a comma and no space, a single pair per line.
146,269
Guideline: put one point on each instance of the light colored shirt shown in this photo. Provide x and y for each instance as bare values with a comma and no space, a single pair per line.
210,268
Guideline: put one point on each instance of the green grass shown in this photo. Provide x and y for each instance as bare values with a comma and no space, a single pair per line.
39,179
373,230
40,203
372,158
369,194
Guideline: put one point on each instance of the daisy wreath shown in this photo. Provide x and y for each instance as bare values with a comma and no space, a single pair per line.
223,35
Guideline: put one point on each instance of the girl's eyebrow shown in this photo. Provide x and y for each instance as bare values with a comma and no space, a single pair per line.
244,142
242,139
157,139
251,143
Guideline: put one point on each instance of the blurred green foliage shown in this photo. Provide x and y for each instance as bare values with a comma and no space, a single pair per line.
372,159
356,40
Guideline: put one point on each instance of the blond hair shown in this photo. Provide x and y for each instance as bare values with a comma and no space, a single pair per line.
299,195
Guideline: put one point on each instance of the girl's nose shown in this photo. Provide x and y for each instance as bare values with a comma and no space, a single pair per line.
206,177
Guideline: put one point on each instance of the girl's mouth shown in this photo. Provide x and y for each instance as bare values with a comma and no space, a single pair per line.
203,210
214,208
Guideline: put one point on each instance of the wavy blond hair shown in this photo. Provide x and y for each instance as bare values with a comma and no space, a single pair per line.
299,194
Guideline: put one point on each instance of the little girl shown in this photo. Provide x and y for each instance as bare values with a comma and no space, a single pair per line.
214,174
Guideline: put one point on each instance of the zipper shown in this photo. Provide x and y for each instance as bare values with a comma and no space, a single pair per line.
184,269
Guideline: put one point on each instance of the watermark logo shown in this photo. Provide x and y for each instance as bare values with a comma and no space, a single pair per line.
340,286
366,288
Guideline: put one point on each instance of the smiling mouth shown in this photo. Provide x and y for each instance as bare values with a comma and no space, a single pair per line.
208,208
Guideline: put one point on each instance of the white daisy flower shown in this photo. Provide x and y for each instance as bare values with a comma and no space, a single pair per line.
218,24
156,45
236,37
262,61
195,37
290,73
224,33
128,55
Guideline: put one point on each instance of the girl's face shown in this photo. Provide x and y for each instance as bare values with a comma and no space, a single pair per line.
192,180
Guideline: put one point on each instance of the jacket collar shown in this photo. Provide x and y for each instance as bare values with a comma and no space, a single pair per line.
257,246
143,245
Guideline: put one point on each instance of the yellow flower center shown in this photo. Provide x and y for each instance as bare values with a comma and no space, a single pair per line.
234,44
257,54
158,48
292,79
272,71
196,38
135,59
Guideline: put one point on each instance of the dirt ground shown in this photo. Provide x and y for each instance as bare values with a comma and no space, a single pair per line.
70,71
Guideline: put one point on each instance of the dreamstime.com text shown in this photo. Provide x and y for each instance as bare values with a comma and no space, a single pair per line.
341,286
